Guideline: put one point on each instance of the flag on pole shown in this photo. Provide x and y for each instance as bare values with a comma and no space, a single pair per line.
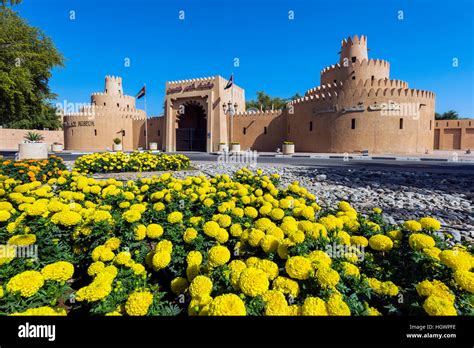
230,82
141,93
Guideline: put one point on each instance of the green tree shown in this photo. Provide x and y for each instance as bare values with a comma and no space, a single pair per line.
266,102
448,115
11,2
27,57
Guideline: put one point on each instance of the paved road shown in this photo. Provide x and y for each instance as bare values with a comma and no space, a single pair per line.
429,166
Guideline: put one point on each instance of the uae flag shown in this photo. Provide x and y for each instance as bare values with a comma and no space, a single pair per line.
230,82
141,93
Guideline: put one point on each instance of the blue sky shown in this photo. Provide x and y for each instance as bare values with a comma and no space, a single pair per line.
277,55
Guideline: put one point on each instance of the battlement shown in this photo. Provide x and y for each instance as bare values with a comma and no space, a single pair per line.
357,64
259,113
100,110
333,86
113,78
354,41
201,79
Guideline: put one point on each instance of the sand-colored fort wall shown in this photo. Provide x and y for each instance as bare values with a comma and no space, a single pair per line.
264,131
10,137
454,134
155,131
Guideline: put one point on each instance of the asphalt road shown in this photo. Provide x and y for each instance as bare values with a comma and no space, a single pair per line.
428,166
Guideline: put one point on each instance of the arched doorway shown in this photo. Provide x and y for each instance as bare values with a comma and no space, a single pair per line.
191,127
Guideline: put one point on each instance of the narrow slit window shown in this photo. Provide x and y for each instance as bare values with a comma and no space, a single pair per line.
401,123
431,124
354,59
158,132
244,130
353,77
311,126
353,123
264,130
95,132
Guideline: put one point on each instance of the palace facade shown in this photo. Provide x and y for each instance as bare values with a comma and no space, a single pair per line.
356,107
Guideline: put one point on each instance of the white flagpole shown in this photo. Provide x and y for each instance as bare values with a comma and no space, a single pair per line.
146,123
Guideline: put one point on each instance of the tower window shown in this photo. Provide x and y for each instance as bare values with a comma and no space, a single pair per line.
95,132
244,130
431,123
123,132
106,90
447,124
353,123
436,124
144,132
104,103
335,81
458,123
264,130
373,77
118,105
353,77
72,131
128,106
401,123
311,126
158,132
354,59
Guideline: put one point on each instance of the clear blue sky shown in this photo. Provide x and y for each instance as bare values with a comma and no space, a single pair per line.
277,55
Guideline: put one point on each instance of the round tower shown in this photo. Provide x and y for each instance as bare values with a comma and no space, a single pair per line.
353,49
113,85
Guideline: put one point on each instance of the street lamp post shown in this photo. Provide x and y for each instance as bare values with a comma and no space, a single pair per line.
230,110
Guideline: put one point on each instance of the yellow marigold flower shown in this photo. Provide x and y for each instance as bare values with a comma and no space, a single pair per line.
41,311
138,268
337,307
317,231
189,235
344,206
432,252
161,259
380,242
350,269
327,277
412,225
377,210
277,214
275,303
59,271
286,286
268,266
383,288
179,285
253,281
154,231
420,241
344,237
140,232
395,235
465,280
211,228
429,223
255,236
4,215
194,258
313,306
22,239
112,243
227,304
456,259
438,306
437,288
298,267
251,212
283,248
218,255
132,215
66,218
200,286
26,283
222,236
236,267
359,240
123,258
269,244
138,303
319,258
372,311
175,217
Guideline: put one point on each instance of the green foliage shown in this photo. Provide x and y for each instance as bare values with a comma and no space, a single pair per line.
266,102
33,137
27,57
448,115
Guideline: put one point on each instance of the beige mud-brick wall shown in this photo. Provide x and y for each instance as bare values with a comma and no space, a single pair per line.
454,134
10,138
155,130
255,125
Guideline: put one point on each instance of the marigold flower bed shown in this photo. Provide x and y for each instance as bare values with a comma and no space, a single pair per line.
114,162
219,246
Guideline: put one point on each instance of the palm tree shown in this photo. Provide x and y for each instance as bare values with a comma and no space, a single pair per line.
448,115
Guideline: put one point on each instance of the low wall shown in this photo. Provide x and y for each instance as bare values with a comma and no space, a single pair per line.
10,138
454,135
